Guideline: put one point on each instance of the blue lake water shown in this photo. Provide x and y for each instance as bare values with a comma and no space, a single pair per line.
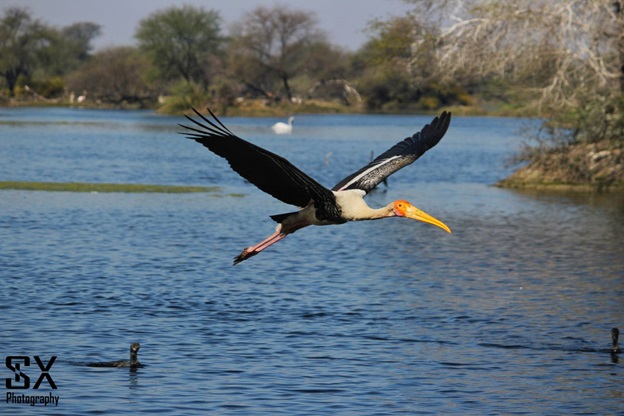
509,314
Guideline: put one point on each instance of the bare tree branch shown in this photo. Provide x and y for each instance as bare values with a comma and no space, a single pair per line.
559,47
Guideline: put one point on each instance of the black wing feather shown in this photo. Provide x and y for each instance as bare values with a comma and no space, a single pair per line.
397,157
271,173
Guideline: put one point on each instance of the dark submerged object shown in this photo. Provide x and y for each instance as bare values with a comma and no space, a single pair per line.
132,363
318,205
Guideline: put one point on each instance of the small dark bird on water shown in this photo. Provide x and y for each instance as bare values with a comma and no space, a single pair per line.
132,363
615,334
318,205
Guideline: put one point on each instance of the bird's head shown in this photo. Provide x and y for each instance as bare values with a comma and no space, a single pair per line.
135,347
403,208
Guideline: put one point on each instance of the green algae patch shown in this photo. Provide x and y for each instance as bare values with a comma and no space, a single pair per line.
103,187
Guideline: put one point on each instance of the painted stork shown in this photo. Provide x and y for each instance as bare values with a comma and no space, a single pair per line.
319,205
283,128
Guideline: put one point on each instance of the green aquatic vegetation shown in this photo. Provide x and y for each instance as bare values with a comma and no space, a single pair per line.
102,187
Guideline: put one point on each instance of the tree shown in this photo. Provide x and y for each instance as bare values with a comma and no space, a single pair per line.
34,53
66,48
181,41
78,37
274,44
563,49
21,40
116,76
397,67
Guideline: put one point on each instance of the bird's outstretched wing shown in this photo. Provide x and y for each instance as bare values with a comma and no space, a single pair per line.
398,156
271,173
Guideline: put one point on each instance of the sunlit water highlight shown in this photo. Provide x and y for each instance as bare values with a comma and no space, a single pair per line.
509,314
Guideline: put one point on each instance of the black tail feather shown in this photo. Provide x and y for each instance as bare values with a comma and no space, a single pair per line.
281,217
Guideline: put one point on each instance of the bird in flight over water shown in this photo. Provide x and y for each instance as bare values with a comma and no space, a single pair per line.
318,205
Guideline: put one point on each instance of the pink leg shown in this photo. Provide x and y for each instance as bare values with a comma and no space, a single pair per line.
253,250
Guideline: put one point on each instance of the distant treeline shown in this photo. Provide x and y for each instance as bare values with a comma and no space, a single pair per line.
183,58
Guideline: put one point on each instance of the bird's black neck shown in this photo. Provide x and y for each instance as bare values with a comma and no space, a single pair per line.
134,359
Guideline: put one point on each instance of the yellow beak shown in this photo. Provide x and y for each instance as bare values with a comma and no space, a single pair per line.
416,214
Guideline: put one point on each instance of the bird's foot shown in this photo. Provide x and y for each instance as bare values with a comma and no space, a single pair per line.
244,255
253,250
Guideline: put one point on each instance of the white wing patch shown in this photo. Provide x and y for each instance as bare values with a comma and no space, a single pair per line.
368,171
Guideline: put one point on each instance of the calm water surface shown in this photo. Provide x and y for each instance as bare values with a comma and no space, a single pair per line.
509,314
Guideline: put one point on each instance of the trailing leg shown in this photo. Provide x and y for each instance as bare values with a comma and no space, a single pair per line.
253,250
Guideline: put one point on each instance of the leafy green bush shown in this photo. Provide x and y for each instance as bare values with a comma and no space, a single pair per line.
183,95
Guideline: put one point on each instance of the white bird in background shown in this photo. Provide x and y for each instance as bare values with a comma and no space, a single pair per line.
283,128
82,97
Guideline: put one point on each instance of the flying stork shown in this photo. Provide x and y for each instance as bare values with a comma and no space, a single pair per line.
319,205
